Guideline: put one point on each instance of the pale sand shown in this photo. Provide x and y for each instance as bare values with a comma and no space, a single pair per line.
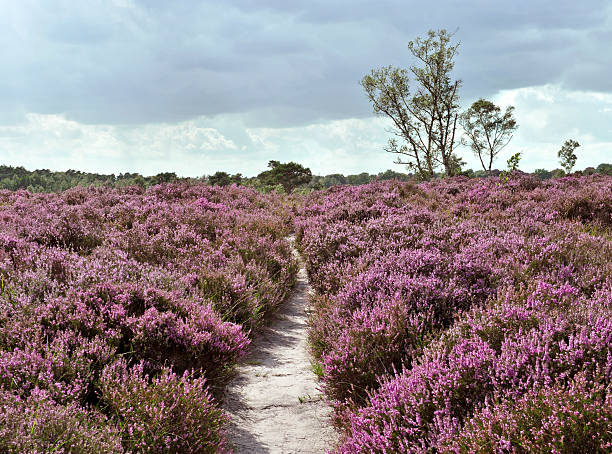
273,401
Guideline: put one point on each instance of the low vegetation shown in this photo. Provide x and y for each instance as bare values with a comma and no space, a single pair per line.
455,315
464,315
122,311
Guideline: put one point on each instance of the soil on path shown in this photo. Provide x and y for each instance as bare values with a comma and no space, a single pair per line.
273,401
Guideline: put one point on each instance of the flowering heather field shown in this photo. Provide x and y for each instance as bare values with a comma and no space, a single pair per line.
122,310
464,315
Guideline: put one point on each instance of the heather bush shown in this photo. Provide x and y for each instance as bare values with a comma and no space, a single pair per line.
522,343
437,302
454,316
38,425
167,413
167,280
395,316
65,368
588,204
547,420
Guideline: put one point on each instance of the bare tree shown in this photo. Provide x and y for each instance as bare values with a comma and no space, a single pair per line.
488,130
425,121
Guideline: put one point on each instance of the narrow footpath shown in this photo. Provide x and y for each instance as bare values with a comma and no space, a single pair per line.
273,401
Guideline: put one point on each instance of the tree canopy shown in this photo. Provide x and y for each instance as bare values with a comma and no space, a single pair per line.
424,119
289,175
567,156
224,179
488,130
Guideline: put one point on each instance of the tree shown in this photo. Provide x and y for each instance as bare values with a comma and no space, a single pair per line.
513,164
289,175
543,174
558,173
164,177
425,120
392,175
360,178
333,179
605,169
456,164
567,156
488,130
589,171
224,179
220,179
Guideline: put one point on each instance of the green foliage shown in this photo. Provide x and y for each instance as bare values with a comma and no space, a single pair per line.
543,174
224,179
361,178
488,130
333,180
392,175
44,180
513,163
558,173
424,119
456,164
567,156
470,173
289,175
164,177
605,169
336,179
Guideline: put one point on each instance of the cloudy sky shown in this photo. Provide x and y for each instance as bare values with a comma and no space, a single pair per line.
196,86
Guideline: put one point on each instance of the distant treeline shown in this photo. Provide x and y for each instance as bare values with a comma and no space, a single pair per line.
44,180
323,182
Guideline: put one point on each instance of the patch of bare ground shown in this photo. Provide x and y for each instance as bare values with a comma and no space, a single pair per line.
273,400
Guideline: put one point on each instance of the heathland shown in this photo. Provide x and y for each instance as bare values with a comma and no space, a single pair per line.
456,315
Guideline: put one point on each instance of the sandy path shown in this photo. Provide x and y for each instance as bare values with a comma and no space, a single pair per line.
273,401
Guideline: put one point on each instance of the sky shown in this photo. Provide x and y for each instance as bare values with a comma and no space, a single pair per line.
193,86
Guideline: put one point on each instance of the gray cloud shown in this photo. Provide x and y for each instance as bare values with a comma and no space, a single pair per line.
278,63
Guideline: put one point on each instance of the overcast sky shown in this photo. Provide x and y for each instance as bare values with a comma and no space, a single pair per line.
199,86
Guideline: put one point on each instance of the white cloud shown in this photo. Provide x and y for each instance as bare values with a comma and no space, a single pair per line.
339,146
52,141
547,116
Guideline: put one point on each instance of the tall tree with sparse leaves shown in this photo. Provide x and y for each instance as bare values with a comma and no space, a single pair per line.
424,119
488,130
567,156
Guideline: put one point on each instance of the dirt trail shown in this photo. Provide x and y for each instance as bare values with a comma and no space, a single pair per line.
273,401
